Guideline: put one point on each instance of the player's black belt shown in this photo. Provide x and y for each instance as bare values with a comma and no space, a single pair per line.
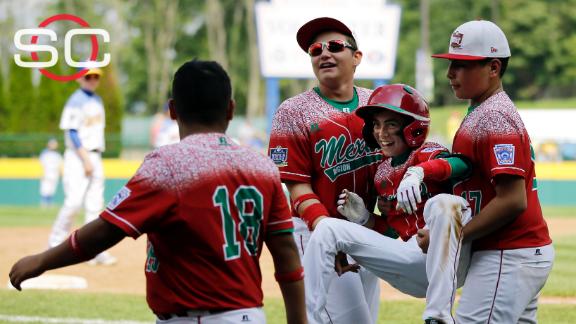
95,151
189,313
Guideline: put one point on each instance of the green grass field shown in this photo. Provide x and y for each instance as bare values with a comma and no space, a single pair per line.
50,306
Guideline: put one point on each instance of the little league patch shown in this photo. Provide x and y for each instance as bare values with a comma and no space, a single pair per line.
279,155
504,154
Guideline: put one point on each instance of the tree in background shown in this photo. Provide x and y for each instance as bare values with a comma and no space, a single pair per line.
19,100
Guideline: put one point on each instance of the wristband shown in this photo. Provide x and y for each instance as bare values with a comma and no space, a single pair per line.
302,198
292,276
75,246
312,212
437,169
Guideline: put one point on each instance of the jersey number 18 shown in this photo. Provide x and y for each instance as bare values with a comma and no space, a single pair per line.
249,206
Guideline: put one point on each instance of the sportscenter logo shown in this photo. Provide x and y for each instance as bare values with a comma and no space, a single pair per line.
34,48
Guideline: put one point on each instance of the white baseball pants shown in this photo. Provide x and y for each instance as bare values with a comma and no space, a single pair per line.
80,191
240,316
401,264
503,286
352,298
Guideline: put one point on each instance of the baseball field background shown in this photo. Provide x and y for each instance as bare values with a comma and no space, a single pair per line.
116,294
151,38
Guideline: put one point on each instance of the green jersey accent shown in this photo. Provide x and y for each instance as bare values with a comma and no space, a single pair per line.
459,168
471,109
290,230
152,262
344,106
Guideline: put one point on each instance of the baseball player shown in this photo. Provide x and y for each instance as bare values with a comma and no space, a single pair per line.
164,129
397,120
316,142
512,251
207,222
83,123
51,162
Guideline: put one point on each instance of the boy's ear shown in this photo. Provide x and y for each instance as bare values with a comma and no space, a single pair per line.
495,66
172,109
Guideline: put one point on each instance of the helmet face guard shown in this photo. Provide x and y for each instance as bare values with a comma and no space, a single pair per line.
401,99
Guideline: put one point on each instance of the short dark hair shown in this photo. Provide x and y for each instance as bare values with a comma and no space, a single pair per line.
503,63
201,91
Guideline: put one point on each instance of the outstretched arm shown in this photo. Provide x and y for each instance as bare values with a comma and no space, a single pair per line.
289,274
82,245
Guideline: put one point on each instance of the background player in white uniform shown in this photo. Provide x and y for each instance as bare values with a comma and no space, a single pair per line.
205,221
397,119
51,161
316,142
512,250
83,122
164,130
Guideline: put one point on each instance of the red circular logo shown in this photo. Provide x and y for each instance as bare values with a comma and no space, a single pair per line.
93,55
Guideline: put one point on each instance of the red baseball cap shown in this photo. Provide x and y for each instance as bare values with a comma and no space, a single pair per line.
311,29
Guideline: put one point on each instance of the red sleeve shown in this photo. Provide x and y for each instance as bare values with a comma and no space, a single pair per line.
289,146
280,218
143,203
505,146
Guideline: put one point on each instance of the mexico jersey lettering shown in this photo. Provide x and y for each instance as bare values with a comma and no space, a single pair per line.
206,204
85,114
315,143
494,138
388,179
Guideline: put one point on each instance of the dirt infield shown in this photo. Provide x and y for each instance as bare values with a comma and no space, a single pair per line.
127,276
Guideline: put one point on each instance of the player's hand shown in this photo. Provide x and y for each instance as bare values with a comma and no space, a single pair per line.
408,192
26,268
341,265
423,239
88,168
351,206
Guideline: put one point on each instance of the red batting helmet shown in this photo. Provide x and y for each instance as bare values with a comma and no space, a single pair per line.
401,99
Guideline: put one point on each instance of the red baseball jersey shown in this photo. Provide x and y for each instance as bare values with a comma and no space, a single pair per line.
388,179
313,142
494,138
206,204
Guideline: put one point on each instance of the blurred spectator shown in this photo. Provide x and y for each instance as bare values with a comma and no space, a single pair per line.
568,151
164,130
51,161
250,136
549,152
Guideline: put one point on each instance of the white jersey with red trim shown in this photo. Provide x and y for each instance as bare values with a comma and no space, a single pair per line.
313,142
206,204
494,138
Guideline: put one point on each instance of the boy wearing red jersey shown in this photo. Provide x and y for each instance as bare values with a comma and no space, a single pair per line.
205,221
512,250
397,120
316,142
